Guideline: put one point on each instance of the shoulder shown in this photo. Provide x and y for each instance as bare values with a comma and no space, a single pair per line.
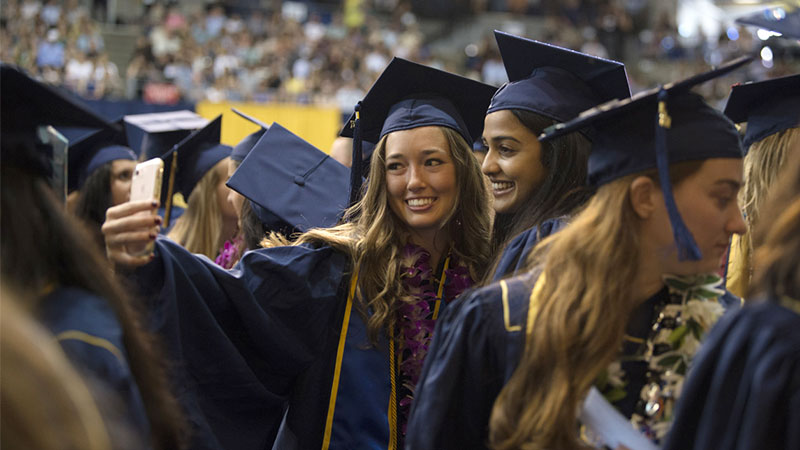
69,308
501,306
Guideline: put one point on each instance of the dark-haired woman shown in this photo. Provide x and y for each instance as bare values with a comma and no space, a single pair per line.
537,186
107,185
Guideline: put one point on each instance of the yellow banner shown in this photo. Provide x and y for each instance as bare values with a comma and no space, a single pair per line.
317,125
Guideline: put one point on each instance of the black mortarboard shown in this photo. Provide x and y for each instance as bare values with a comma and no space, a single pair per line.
197,154
245,145
743,389
553,81
654,129
408,95
153,134
780,19
26,104
90,151
289,181
768,107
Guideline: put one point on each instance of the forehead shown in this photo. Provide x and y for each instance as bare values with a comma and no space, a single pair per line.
716,170
416,140
118,165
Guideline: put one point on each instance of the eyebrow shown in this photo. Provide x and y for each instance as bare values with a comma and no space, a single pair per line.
500,138
734,184
424,152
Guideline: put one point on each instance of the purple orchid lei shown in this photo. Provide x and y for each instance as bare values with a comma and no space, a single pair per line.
230,253
415,315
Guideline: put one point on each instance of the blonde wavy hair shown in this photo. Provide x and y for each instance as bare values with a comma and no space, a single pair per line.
762,165
373,236
583,309
199,229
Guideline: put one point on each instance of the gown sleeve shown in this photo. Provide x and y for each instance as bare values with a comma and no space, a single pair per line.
744,389
472,356
238,339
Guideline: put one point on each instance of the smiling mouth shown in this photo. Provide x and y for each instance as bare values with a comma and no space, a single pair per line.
501,187
420,202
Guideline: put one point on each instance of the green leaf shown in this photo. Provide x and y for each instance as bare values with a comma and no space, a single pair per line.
615,395
669,361
677,335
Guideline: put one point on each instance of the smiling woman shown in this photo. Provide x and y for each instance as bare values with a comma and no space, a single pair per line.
538,185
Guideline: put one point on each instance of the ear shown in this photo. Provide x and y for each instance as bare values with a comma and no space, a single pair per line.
643,196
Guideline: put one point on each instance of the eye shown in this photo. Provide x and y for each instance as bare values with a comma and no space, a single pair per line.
393,166
434,162
505,150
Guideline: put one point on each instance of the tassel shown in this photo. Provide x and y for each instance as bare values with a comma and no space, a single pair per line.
687,248
356,168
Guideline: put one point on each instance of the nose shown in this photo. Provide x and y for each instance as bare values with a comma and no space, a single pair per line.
490,166
736,224
416,178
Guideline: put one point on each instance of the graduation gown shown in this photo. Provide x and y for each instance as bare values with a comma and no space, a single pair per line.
744,389
276,334
515,254
91,336
477,346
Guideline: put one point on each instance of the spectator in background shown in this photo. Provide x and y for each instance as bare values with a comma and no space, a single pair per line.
50,52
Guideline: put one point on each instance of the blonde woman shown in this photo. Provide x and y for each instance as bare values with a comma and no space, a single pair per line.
209,218
510,367
771,110
336,325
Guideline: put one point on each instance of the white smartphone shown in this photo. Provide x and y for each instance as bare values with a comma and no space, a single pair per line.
146,185
146,182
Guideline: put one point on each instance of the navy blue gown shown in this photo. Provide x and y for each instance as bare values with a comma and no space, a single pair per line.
91,336
477,346
515,254
273,350
744,389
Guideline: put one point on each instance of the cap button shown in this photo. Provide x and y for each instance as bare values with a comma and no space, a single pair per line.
300,181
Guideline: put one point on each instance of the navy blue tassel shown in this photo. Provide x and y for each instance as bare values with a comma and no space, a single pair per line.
356,168
687,248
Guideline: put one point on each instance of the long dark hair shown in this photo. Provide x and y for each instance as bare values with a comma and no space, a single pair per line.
94,199
42,246
563,190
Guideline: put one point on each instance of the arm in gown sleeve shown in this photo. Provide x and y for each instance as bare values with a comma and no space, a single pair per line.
238,339
470,359
743,391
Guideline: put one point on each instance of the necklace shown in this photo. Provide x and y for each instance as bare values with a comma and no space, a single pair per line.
681,323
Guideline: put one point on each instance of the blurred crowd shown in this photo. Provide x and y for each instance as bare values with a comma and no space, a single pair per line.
330,54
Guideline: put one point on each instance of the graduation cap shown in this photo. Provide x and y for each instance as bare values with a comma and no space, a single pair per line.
245,145
153,134
553,81
92,150
780,19
189,160
291,182
408,95
27,104
768,107
654,129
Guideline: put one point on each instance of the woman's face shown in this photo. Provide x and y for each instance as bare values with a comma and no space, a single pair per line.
234,198
420,178
226,207
707,202
121,175
513,161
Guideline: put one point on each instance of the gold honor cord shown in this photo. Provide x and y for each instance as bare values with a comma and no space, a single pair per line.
326,438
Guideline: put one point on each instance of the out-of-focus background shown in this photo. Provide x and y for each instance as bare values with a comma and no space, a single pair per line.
306,63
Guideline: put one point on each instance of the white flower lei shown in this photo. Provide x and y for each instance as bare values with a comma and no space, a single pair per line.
675,338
